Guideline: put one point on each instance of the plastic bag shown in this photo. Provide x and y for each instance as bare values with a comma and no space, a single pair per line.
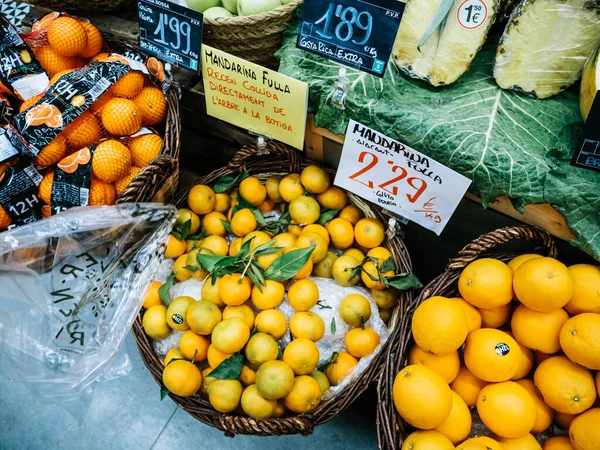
72,286
546,44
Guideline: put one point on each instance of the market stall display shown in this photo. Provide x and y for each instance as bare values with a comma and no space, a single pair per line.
335,329
90,129
514,352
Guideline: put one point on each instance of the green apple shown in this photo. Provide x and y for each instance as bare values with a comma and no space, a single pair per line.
202,5
231,5
217,11
250,7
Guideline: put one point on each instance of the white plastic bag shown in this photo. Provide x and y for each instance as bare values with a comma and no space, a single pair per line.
70,288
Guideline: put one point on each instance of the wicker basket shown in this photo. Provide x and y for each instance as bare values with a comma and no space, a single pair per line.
392,430
255,38
281,160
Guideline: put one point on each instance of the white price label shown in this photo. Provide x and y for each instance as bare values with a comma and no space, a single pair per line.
399,178
472,14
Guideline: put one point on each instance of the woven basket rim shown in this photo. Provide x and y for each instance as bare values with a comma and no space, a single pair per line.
392,428
248,158
280,11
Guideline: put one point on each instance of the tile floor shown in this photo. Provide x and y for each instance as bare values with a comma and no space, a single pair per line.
127,414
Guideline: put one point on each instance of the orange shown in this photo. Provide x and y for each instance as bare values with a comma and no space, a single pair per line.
222,202
486,283
526,362
525,442
304,396
213,224
507,409
121,117
518,260
94,40
544,414
5,219
53,63
564,420
30,102
332,198
83,131
274,379
266,206
67,36
480,443
247,376
421,397
234,290
258,238
152,105
129,85
56,77
152,297
307,325
179,268
467,386
427,440
340,367
243,312
302,355
235,247
584,430
538,330
355,310
122,184
387,298
111,162
302,295
174,353
290,187
154,322
492,355
145,148
271,296
202,317
342,269
361,342
243,222
215,357
447,366
216,244
495,318
182,378
580,340
304,210
341,232
225,395
191,344
53,152
272,186
457,425
307,240
201,199
370,270
175,248
45,21
543,284
102,193
271,322
439,326
255,405
315,179
230,335
558,443
96,107
586,289
253,191
261,348
472,314
351,213
564,385
369,233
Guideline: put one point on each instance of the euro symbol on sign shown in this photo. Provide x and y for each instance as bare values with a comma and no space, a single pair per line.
475,18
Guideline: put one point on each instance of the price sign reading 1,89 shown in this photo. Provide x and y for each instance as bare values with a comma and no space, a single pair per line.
398,178
171,32
342,30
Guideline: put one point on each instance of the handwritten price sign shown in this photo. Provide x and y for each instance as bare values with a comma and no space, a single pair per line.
356,33
171,32
398,178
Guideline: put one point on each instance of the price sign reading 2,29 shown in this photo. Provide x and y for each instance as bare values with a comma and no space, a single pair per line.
171,32
342,31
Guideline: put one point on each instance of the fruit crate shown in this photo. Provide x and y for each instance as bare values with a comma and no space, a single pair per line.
459,277
278,159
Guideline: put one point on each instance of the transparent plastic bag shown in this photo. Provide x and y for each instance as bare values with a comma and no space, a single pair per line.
545,45
71,287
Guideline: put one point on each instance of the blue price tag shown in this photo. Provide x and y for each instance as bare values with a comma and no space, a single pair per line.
356,33
587,155
171,32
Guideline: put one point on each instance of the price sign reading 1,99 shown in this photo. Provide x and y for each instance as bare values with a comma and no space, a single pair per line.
343,31
171,32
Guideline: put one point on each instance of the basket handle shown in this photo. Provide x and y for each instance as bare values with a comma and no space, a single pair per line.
500,236
243,157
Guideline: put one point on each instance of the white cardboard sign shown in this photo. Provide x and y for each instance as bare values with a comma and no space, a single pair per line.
399,178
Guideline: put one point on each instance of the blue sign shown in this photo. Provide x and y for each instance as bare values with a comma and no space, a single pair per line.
356,33
587,156
171,32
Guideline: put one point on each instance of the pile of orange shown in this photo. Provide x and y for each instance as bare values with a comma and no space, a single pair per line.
521,348
237,320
